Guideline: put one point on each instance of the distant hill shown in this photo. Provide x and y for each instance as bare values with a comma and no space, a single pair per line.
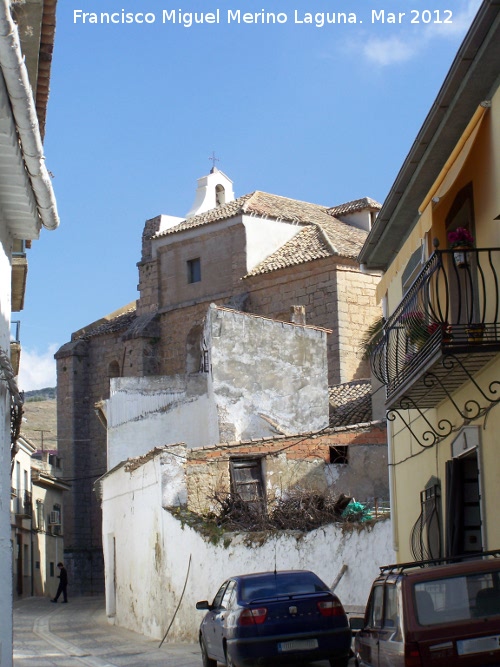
39,423
40,394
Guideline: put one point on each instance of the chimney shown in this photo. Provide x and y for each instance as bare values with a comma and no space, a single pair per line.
298,314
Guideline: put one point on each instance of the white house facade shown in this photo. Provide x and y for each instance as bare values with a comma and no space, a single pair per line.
26,203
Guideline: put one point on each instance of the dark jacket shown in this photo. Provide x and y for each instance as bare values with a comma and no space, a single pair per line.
63,577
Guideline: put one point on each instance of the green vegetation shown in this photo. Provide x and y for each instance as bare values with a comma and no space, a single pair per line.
37,395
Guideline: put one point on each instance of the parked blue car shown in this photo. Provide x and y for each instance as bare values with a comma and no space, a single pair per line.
274,618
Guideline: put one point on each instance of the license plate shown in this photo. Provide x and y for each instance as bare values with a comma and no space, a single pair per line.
298,645
479,645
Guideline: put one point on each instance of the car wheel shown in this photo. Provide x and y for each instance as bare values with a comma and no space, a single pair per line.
207,662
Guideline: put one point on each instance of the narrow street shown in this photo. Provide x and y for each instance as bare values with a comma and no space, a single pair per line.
76,634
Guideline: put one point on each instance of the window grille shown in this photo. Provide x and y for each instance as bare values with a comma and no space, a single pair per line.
426,539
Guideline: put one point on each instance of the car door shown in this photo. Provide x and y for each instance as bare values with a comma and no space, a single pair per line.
367,640
390,646
211,625
221,620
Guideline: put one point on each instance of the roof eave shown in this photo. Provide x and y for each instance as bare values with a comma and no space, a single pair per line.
471,79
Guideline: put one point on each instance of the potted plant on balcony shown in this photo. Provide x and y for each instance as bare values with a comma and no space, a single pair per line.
460,240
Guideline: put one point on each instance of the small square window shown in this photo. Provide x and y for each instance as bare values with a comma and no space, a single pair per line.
194,270
339,454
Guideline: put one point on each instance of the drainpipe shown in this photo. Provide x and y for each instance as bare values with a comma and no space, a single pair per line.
23,107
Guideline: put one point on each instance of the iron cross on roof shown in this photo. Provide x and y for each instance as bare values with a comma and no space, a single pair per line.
214,160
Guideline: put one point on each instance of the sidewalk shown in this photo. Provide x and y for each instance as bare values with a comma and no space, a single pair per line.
76,634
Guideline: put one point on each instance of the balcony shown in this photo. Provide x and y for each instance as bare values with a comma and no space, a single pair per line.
23,505
444,331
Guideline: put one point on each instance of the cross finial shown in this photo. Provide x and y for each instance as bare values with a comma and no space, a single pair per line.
214,160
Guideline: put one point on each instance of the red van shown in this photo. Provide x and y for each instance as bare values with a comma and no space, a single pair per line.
424,614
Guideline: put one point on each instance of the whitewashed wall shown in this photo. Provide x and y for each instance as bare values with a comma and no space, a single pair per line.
264,375
147,552
147,412
267,375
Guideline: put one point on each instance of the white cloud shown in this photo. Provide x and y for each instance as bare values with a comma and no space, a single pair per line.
401,48
389,51
37,369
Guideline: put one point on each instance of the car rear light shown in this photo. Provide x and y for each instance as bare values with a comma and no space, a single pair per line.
252,616
412,656
331,608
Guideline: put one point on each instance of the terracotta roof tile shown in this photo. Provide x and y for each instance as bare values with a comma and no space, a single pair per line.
307,245
223,212
322,236
355,206
350,403
118,323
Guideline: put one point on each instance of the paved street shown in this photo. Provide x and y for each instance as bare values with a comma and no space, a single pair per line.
76,634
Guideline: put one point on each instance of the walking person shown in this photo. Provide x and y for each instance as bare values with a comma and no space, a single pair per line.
63,583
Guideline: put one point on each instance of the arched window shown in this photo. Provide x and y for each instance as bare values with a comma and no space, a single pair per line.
220,195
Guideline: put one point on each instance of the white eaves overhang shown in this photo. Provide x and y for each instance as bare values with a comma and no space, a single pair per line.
27,200
18,208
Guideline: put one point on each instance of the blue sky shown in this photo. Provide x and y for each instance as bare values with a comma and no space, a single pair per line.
325,115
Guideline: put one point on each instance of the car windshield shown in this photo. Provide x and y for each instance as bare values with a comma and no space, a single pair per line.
281,583
458,598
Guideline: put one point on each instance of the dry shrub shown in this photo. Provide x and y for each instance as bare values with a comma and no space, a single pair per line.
299,510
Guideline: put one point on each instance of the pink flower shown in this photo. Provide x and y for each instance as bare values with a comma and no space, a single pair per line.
460,237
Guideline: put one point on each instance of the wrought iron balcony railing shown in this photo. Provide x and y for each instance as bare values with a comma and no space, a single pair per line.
452,309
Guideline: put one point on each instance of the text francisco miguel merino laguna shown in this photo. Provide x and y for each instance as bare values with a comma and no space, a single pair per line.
187,19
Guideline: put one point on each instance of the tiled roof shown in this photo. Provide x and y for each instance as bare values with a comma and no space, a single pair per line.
308,244
355,206
325,239
350,403
269,206
229,210
118,323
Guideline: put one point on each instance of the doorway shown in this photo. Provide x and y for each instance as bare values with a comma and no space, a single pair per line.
463,505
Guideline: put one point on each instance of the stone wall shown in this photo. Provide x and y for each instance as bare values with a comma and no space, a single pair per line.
223,263
323,288
83,372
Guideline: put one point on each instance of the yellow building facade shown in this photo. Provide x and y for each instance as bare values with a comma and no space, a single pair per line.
437,240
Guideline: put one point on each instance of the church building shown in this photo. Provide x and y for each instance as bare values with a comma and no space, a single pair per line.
260,253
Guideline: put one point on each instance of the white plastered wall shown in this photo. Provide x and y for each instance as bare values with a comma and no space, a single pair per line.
147,553
5,542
